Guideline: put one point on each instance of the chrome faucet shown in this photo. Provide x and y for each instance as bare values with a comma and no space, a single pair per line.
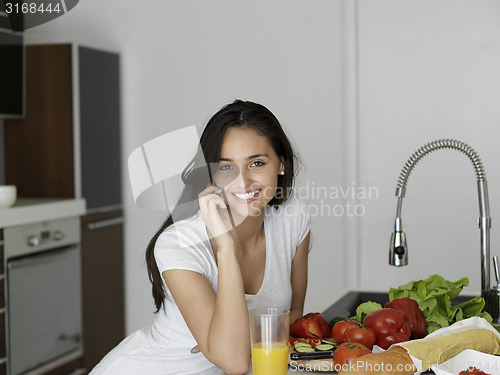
398,248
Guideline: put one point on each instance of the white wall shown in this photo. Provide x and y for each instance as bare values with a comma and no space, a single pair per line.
428,70
181,61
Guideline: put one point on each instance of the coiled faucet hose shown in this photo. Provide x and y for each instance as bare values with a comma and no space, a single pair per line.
436,145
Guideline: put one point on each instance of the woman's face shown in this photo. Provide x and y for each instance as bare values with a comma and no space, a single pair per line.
247,171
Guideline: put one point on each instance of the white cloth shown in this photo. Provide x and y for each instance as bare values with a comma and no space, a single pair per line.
165,347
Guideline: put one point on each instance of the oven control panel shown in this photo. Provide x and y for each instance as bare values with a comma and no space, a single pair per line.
31,238
45,236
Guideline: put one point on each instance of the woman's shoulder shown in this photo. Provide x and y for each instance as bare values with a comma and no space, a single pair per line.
187,232
184,245
291,220
293,207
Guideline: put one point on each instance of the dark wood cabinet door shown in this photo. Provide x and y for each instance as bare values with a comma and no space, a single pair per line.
3,338
103,285
39,147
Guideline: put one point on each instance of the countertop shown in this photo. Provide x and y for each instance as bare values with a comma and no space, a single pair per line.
32,210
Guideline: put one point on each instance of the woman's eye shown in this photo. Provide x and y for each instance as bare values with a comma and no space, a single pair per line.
224,167
257,164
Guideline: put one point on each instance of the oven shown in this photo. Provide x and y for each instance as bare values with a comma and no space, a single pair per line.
43,296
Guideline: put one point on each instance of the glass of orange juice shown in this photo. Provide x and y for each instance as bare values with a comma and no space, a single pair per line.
269,333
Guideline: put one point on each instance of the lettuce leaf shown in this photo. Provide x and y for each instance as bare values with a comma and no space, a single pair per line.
434,296
365,308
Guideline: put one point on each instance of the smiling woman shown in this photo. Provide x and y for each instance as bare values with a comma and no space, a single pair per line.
236,241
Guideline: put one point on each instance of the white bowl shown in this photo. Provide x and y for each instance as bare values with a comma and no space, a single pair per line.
486,362
8,195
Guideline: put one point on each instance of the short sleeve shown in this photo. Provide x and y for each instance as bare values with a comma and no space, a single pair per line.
172,252
303,224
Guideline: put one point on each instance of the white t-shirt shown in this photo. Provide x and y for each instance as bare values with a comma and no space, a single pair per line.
165,347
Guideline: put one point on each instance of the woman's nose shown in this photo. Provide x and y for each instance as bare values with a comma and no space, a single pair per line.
243,179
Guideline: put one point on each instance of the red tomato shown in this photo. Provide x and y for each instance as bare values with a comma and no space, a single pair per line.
360,334
339,329
472,371
346,353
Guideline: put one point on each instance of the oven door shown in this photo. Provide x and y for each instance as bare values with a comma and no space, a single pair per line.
44,299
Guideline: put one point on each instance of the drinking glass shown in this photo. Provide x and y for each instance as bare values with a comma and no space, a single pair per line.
269,335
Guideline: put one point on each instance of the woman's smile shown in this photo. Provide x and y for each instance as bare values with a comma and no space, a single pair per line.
247,197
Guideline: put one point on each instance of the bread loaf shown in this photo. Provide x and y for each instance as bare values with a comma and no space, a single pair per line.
394,361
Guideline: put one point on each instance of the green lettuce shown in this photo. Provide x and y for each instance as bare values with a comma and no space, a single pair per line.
434,296
365,308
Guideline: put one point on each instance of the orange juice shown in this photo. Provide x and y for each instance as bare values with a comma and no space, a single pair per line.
270,358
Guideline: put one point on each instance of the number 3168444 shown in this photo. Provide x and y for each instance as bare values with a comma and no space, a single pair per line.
33,8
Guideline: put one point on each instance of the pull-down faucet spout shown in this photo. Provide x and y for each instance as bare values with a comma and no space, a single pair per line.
398,249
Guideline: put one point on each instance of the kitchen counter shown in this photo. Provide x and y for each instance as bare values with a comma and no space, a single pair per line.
31,210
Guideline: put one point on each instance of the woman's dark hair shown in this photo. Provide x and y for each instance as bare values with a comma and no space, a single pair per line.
196,176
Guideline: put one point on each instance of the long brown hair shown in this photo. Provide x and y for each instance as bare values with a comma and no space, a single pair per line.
196,175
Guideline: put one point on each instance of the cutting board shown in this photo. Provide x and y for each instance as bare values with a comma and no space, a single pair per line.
319,365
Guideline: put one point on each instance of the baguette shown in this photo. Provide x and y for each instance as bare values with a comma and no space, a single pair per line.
395,361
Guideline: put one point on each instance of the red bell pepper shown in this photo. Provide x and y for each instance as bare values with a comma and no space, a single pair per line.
389,326
412,313
312,325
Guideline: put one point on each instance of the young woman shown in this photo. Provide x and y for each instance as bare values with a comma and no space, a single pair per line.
243,243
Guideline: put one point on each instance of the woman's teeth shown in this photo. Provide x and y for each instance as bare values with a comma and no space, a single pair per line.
246,195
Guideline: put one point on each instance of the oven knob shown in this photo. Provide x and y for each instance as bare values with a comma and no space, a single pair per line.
33,240
58,235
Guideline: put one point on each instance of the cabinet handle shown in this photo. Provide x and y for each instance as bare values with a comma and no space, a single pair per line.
2,276
3,360
3,310
79,371
105,223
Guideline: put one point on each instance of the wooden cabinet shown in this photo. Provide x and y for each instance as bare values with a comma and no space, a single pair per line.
68,146
39,148
102,263
3,310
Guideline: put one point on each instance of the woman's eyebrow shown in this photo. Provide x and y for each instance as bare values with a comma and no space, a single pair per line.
248,157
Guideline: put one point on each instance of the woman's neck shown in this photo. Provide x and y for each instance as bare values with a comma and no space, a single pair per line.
250,230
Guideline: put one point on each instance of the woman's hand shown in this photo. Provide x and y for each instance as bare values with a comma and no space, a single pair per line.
215,215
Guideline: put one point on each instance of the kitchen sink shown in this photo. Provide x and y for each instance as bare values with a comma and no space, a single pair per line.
347,304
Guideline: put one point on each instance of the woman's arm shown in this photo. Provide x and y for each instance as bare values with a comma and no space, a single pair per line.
299,279
219,322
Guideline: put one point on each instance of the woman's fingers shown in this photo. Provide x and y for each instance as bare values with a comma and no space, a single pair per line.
206,200
209,190
215,215
212,205
207,194
196,349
